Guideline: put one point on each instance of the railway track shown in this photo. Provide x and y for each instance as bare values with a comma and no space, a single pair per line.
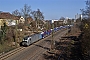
37,55
15,51
40,52
36,50
11,53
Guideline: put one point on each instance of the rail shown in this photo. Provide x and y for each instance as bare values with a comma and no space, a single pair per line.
13,52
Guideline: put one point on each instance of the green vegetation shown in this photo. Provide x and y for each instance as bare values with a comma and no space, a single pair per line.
8,38
3,33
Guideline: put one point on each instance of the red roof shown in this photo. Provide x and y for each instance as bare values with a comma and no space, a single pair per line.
7,15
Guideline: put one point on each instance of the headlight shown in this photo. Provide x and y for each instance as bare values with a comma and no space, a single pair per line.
23,39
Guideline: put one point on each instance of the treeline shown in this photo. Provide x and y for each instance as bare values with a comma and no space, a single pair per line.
26,11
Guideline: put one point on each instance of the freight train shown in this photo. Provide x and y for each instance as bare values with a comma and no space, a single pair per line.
35,37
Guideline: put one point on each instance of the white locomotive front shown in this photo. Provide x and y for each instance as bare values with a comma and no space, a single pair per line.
26,41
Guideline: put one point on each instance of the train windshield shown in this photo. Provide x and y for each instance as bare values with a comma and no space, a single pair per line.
25,38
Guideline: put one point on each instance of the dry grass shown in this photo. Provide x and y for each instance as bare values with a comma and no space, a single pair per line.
5,48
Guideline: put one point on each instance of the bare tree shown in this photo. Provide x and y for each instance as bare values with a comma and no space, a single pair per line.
37,15
86,11
16,13
26,11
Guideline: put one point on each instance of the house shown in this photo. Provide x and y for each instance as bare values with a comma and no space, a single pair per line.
58,23
65,21
9,19
21,19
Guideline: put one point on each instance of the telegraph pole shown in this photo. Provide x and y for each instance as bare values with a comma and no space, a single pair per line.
81,21
16,34
36,24
52,41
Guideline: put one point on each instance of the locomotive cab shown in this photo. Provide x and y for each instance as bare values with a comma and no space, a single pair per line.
26,41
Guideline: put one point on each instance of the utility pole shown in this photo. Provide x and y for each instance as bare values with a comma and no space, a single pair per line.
16,34
52,41
36,24
47,26
81,21
81,17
